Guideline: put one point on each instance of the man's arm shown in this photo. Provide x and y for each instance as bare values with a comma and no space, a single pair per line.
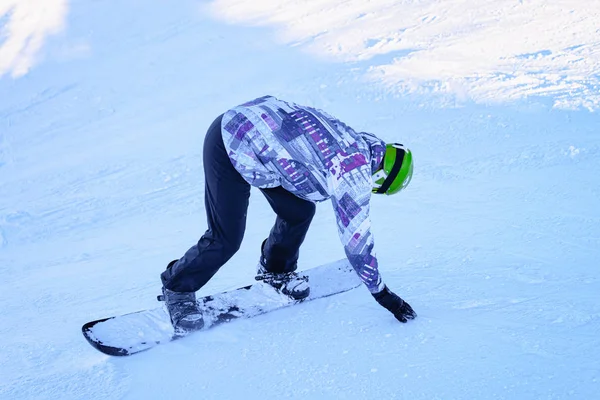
354,227
351,207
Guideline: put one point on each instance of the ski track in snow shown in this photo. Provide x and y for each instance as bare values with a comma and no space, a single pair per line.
495,244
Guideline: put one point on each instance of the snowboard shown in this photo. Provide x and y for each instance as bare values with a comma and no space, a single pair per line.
139,331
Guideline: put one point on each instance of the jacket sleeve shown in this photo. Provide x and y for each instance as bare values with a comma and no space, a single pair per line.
351,206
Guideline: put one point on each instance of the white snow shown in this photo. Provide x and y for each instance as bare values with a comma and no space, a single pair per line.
25,31
495,243
487,50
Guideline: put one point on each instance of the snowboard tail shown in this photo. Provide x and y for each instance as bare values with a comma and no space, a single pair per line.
132,333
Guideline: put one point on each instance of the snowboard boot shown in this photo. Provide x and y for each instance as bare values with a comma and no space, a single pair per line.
183,310
291,284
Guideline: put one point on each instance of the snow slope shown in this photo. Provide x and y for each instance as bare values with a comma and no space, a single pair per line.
495,244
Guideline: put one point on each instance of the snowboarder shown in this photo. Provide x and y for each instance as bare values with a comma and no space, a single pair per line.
296,156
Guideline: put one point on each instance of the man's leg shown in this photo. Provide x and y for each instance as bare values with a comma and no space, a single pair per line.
226,202
294,216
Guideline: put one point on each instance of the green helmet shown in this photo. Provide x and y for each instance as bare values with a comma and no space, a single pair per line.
396,170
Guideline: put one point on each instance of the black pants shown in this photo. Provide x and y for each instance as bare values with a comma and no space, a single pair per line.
226,203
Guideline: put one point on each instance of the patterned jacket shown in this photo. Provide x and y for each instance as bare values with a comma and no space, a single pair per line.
316,157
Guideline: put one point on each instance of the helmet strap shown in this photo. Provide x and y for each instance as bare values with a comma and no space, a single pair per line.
393,173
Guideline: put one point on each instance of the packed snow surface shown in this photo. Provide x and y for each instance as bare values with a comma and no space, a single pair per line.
495,244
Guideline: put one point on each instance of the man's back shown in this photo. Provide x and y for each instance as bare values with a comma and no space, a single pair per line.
272,142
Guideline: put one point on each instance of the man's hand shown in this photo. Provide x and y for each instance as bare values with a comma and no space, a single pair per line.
394,304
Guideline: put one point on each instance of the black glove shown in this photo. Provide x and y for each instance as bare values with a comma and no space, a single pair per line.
394,304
